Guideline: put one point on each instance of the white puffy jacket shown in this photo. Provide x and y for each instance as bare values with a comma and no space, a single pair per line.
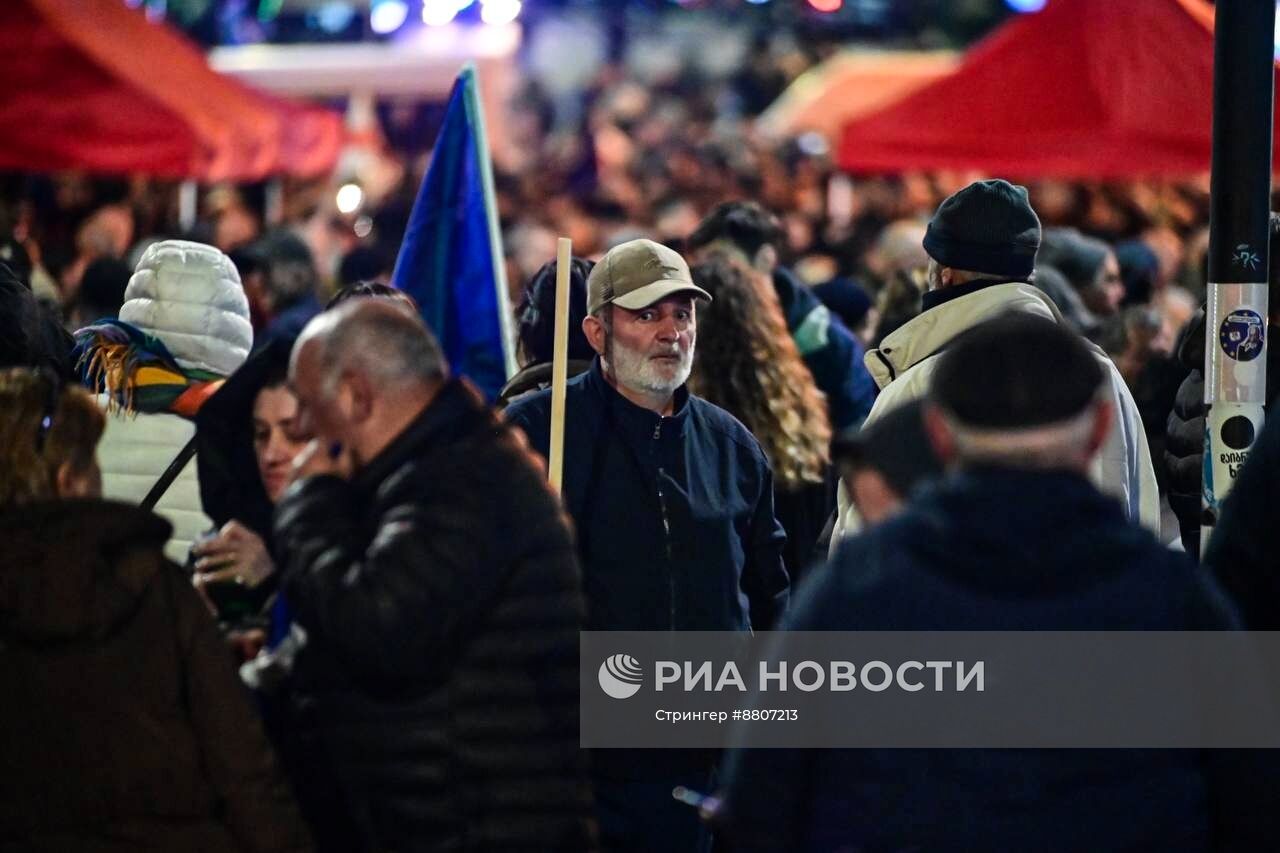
189,296
134,452
903,367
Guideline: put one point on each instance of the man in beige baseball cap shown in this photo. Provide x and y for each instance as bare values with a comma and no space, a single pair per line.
646,348
672,501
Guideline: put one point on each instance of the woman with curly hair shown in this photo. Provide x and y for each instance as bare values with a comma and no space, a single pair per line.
748,365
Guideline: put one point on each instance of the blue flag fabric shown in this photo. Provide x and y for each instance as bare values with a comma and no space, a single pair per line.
450,260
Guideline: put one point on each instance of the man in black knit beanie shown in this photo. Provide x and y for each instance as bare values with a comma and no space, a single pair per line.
982,245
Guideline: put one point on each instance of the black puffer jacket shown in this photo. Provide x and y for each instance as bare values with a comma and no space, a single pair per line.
438,691
1184,432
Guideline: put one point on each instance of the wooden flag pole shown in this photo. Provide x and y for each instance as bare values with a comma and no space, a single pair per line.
560,362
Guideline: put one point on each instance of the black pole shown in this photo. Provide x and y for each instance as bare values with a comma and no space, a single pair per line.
1240,198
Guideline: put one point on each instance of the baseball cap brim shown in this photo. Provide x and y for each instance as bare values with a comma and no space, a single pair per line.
643,297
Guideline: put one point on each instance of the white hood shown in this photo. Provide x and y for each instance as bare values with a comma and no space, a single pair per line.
189,296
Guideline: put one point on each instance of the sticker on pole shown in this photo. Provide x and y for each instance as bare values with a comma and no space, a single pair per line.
1241,335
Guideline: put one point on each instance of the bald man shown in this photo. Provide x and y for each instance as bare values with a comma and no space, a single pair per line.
436,582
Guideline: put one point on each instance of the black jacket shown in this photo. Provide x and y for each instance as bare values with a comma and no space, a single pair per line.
123,726
1184,432
991,550
438,690
674,515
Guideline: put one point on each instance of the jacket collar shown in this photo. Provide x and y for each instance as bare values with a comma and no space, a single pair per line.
537,376
934,298
931,330
635,419
454,412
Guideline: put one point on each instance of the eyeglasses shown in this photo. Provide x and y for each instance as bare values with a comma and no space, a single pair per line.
53,383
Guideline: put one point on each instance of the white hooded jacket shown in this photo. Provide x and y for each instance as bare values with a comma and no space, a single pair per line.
189,296
903,367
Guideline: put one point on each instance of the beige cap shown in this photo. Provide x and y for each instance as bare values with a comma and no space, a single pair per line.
638,273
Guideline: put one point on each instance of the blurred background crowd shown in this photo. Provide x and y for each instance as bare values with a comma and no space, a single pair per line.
611,121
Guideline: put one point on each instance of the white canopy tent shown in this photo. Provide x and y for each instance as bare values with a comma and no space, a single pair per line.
424,64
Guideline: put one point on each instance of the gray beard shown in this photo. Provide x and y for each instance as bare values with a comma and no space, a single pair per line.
635,370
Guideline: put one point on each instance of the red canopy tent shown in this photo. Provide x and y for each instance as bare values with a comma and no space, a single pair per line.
93,85
1084,88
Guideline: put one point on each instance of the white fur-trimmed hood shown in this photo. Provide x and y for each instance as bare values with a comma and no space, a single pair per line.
189,296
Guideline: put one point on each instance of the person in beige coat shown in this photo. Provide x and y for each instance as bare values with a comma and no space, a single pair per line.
982,245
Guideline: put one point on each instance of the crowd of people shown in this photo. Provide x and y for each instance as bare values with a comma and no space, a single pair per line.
404,595
799,400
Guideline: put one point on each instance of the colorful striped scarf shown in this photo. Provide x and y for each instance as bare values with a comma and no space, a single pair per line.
137,371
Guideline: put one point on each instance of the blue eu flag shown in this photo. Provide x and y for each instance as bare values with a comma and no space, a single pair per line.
451,257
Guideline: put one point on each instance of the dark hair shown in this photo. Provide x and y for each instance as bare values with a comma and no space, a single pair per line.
15,255
896,446
367,289
1139,269
289,269
363,263
276,373
1014,372
102,288
535,316
745,224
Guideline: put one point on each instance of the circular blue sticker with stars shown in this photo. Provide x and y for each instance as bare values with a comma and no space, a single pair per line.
1241,335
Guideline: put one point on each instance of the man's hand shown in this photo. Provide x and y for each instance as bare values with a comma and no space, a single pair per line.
322,457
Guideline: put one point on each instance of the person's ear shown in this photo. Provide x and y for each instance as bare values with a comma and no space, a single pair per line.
65,481
766,258
71,482
872,495
940,434
595,332
356,395
1104,414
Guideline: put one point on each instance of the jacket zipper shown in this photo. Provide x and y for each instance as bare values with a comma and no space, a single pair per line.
666,529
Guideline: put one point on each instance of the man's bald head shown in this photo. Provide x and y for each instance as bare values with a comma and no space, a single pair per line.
362,372
377,338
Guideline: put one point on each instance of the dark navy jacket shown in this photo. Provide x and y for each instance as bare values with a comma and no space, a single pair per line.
830,351
1005,550
674,515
